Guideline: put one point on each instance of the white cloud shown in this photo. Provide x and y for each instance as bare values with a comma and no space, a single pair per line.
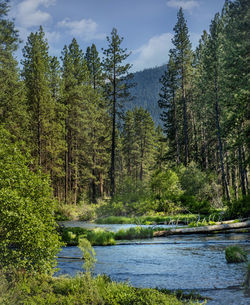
52,37
85,29
154,53
185,4
29,14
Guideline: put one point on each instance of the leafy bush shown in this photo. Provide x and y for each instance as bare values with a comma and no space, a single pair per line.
88,255
235,254
195,206
28,237
165,189
239,208
199,184
71,235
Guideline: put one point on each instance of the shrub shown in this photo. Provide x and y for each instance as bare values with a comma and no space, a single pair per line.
71,235
165,189
199,184
235,254
238,208
28,237
195,206
88,255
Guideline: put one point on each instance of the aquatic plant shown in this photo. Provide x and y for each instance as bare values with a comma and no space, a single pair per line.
235,254
88,255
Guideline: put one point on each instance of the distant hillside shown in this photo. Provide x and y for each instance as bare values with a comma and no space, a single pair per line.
147,90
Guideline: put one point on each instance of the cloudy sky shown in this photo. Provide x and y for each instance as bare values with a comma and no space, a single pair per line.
146,25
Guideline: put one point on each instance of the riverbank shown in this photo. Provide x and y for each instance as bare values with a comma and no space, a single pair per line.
178,262
101,235
82,289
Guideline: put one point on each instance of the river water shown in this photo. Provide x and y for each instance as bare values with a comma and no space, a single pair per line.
190,263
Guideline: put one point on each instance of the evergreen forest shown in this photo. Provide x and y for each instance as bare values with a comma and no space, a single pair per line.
78,120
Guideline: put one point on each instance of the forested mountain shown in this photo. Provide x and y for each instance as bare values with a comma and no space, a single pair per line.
146,91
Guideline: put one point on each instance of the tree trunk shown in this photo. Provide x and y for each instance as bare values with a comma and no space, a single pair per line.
241,172
112,169
176,132
185,124
224,180
202,230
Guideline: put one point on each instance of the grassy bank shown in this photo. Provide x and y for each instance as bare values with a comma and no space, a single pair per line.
147,220
100,237
80,290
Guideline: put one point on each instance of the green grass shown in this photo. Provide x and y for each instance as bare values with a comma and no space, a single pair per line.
134,233
79,290
100,237
97,237
235,254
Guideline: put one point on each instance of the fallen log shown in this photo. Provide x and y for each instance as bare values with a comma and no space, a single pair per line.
203,229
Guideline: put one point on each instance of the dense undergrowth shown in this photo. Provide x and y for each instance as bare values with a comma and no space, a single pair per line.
79,290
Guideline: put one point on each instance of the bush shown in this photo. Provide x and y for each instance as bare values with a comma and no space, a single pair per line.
235,254
199,184
28,236
238,208
71,235
195,206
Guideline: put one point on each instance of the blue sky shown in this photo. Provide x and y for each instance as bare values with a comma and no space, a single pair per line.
146,25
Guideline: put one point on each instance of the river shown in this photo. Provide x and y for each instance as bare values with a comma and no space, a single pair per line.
193,262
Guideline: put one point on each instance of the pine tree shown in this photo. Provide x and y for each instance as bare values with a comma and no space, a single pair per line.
183,58
168,101
116,87
41,110
94,66
13,112
214,61
138,143
75,80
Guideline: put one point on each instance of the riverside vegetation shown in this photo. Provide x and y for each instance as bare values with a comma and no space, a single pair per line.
64,147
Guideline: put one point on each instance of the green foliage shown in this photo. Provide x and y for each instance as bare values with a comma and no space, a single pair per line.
28,237
238,208
100,237
134,233
165,189
130,192
235,254
195,206
79,290
71,235
88,255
